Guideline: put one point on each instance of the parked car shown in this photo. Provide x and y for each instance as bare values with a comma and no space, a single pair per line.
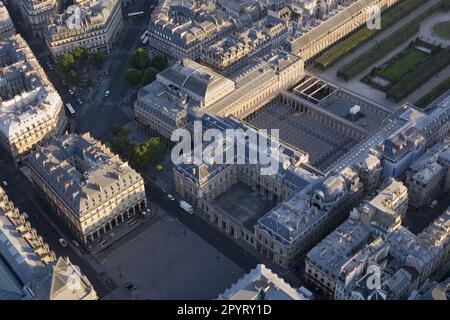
63,242
107,92
170,197
76,244
5,184
71,92
130,287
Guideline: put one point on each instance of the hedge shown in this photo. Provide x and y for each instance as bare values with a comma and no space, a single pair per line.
419,76
388,44
434,94
344,48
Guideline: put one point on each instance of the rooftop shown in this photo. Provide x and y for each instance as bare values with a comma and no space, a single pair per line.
199,82
84,172
261,284
338,247
81,15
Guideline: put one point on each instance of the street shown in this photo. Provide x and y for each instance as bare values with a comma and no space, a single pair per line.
97,115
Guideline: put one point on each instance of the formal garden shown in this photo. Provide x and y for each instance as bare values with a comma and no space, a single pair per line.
364,35
390,43
409,70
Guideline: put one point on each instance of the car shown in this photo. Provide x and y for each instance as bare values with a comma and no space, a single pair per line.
146,212
107,92
76,244
434,203
63,242
80,101
170,197
130,286
5,184
25,215
71,92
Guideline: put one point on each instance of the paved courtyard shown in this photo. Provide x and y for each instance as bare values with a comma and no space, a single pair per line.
243,204
168,261
426,29
325,145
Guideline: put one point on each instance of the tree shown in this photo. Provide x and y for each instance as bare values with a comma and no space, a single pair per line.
80,54
67,63
133,77
96,58
140,59
149,75
147,153
120,143
160,62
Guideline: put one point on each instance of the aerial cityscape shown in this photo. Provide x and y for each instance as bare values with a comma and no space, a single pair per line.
225,150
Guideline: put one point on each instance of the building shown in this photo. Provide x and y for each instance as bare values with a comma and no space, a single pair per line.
31,111
7,29
385,211
179,29
261,284
233,52
28,268
94,25
432,290
258,83
437,235
62,281
297,224
202,184
37,13
312,35
344,263
88,187
178,92
425,176
23,253
444,161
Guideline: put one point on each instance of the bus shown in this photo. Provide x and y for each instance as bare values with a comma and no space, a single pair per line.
145,34
135,14
70,108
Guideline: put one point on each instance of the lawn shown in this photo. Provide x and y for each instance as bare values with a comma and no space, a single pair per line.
388,44
405,64
347,46
442,30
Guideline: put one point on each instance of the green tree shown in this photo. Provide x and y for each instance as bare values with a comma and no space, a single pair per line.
149,75
80,54
160,62
133,77
120,143
96,58
140,59
67,63
147,153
